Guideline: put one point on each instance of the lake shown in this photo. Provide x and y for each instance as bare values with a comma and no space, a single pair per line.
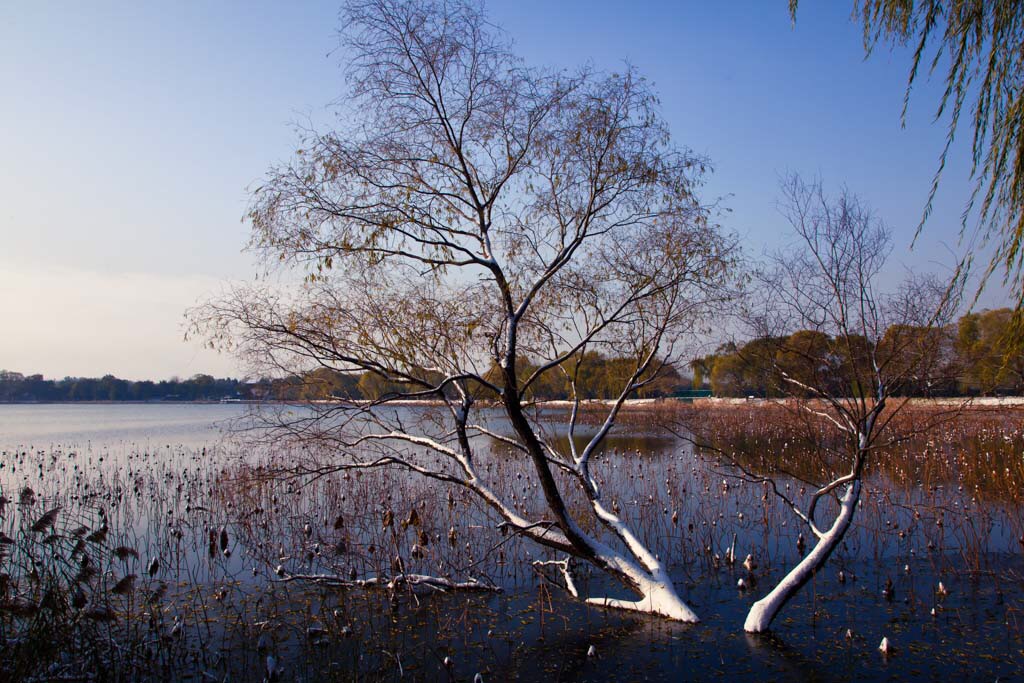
229,530
114,425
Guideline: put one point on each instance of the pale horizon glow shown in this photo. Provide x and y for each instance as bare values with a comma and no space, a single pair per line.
82,319
132,132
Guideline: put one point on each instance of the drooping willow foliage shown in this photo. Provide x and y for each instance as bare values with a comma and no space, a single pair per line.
980,46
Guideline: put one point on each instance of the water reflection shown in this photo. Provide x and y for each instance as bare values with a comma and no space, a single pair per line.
945,508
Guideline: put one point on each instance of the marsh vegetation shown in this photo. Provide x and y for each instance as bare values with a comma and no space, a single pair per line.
211,559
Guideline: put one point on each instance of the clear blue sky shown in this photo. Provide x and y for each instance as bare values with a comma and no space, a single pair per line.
129,133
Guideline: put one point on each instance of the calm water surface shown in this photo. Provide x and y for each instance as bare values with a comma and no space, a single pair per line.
108,425
167,480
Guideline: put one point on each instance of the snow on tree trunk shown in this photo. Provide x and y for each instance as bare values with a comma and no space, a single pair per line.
659,597
764,611
647,574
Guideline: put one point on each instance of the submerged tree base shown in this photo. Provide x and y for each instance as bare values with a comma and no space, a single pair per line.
764,611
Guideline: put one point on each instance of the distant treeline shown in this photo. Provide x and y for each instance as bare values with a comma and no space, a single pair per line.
596,377
976,355
15,386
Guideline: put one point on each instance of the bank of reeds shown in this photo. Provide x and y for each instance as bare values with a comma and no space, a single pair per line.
240,564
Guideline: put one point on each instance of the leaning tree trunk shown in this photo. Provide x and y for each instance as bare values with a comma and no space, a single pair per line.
764,611
641,570
658,596
646,575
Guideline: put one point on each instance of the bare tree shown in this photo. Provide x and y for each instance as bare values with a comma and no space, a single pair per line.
846,352
977,44
470,215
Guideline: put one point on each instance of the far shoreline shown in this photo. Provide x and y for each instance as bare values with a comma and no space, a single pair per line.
712,401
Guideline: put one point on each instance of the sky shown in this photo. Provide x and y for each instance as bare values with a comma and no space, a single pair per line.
132,133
